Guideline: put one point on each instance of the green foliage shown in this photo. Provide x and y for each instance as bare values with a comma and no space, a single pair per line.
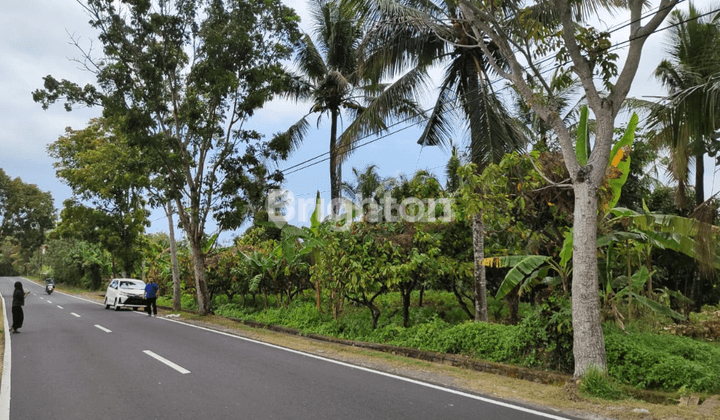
598,383
548,335
78,263
619,165
11,260
542,340
119,232
664,362
181,81
188,301
26,213
523,273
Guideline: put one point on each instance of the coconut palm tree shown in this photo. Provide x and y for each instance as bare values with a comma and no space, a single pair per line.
686,121
329,77
414,36
367,189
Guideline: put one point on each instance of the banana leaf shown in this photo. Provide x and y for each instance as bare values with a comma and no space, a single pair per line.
620,159
524,270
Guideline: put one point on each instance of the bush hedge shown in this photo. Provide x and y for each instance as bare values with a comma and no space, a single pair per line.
543,340
664,362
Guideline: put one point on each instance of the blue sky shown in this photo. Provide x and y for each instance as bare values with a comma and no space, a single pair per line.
35,41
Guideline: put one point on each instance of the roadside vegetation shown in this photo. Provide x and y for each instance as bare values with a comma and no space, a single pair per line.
549,242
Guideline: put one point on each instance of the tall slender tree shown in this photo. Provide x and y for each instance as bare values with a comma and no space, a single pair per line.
328,76
401,40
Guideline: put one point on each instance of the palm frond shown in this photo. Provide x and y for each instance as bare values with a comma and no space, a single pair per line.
438,130
309,60
395,103
290,139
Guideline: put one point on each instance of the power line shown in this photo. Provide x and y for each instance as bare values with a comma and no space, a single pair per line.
292,169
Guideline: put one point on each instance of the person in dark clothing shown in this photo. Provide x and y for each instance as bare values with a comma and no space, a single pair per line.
17,303
151,290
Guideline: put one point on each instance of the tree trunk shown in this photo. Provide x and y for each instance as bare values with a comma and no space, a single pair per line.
481,313
177,294
375,313
317,296
204,304
699,179
405,294
513,300
460,300
334,172
588,342
318,291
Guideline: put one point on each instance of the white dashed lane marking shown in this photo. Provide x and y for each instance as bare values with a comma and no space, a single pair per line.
100,327
167,362
74,314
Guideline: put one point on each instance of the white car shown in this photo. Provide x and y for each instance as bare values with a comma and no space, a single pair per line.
125,293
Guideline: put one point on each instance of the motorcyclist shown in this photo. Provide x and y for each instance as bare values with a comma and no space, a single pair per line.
49,285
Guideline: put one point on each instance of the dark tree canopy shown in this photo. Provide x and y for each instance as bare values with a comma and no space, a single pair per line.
180,79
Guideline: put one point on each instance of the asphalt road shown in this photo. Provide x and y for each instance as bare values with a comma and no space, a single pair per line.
75,360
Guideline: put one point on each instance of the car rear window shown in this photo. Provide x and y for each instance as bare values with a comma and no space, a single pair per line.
131,285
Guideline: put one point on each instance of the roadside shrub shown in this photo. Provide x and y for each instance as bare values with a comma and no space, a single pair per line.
547,336
187,301
598,383
662,361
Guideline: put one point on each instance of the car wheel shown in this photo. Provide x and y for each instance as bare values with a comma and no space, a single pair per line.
107,305
117,308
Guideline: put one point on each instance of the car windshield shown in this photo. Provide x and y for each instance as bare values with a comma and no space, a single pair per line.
131,285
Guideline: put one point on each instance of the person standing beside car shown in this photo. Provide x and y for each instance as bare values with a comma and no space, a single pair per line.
151,290
17,303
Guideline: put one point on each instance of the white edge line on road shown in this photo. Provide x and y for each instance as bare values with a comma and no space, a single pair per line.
102,328
7,358
337,362
389,375
167,362
60,307
74,314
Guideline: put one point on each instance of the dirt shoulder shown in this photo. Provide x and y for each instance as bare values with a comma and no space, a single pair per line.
561,399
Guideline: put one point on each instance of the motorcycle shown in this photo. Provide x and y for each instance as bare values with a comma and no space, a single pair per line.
49,286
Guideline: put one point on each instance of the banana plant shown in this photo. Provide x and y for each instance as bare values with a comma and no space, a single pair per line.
267,269
312,242
529,270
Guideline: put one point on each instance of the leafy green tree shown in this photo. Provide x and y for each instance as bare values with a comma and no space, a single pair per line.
181,79
104,170
357,264
566,91
26,213
78,263
11,259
